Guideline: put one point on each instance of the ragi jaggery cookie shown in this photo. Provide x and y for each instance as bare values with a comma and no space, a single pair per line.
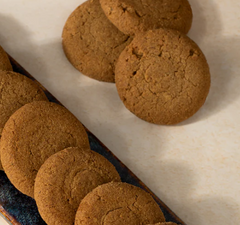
162,77
34,133
118,203
92,43
16,90
4,61
65,179
134,16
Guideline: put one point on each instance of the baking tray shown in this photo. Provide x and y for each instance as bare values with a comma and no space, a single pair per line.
20,209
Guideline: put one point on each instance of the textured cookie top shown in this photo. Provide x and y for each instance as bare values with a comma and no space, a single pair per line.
134,16
4,61
92,43
162,77
16,90
32,134
65,179
117,204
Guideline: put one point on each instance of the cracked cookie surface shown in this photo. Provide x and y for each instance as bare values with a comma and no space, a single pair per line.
4,61
162,77
118,203
34,133
65,179
92,43
16,90
134,16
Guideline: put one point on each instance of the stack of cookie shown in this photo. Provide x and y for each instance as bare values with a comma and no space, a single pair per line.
45,153
161,75
16,90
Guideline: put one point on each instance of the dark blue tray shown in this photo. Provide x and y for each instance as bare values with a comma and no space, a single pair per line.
20,209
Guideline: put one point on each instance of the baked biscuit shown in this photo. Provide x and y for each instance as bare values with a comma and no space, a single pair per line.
92,43
117,204
134,16
162,77
34,133
16,90
65,179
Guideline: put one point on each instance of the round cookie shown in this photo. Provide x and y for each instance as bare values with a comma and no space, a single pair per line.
134,16
65,179
4,61
116,204
162,77
34,133
16,90
92,43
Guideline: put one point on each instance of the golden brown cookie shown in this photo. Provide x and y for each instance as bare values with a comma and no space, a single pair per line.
92,43
32,134
4,61
65,179
162,77
16,90
134,16
117,204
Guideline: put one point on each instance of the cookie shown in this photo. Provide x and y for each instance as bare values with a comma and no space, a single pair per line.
162,77
16,90
34,133
65,179
118,203
134,16
92,43
4,61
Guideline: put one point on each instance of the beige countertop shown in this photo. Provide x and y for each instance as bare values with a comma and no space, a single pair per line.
193,167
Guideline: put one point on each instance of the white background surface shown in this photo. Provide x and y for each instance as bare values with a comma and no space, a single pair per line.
2,221
193,167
